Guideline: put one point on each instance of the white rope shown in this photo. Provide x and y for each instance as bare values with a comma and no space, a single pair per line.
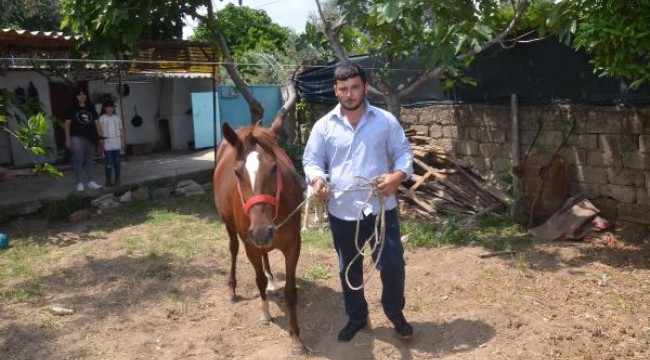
379,232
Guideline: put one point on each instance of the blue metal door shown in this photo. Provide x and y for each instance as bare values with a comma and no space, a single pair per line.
204,121
231,108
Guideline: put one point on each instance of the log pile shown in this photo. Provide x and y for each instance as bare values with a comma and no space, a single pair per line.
444,185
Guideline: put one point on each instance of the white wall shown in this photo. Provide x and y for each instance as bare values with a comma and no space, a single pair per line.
10,80
181,119
159,99
143,97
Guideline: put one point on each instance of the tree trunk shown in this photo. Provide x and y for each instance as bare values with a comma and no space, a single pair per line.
256,109
394,105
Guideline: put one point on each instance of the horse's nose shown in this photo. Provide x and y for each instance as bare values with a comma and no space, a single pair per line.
262,236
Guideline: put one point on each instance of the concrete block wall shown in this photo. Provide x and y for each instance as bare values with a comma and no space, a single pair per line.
607,155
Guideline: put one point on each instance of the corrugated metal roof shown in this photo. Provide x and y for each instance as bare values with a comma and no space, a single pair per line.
186,58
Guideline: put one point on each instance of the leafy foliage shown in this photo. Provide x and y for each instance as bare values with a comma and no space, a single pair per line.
31,15
32,126
111,29
615,34
253,38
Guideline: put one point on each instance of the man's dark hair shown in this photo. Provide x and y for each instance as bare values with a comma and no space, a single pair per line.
348,71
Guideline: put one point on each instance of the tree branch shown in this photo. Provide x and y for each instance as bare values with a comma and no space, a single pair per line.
437,72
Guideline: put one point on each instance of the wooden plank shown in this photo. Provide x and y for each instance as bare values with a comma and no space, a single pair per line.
416,200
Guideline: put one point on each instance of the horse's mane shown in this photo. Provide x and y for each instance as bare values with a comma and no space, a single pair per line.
257,135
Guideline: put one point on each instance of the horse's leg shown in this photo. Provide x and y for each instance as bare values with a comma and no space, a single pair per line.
234,249
305,219
291,294
260,279
270,287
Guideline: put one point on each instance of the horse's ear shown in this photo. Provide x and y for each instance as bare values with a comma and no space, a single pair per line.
230,136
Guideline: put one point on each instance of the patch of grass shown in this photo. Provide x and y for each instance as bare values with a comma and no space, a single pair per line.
157,217
158,266
20,271
521,263
416,306
132,245
61,209
492,231
318,271
315,239
426,234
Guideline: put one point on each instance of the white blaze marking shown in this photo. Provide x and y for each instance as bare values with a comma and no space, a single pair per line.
252,166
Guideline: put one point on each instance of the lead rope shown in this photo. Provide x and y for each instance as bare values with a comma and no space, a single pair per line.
379,233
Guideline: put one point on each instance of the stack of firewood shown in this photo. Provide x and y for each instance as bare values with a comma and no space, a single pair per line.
444,185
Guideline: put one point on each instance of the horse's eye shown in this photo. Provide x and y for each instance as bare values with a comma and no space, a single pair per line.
274,168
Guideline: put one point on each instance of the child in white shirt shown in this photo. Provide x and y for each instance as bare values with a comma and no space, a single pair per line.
113,142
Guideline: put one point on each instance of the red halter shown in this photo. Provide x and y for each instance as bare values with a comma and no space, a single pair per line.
256,199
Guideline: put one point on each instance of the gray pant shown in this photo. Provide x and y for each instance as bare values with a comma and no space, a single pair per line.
83,151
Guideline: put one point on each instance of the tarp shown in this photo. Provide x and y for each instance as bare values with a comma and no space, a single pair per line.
542,72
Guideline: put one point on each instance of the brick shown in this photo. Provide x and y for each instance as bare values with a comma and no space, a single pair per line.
501,165
467,147
479,163
608,207
446,144
637,161
589,190
588,174
421,129
616,143
635,123
599,124
624,194
494,150
468,132
435,131
574,156
491,135
596,158
625,177
450,132
587,141
644,144
643,196
639,214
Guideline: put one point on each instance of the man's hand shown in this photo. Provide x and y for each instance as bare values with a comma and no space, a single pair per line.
321,188
389,183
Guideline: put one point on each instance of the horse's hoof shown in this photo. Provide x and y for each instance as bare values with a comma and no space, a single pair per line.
298,350
231,299
266,321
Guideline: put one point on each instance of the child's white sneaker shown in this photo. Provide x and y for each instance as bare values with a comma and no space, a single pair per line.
94,186
80,187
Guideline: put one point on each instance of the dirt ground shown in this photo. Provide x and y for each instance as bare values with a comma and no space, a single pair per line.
549,301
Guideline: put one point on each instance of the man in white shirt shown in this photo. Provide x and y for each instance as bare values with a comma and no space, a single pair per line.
357,141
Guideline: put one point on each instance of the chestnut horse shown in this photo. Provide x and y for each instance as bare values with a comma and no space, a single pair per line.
256,190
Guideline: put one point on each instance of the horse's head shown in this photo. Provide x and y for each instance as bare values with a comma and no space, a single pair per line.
259,180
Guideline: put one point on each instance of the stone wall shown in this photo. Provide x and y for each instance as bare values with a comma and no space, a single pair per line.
608,153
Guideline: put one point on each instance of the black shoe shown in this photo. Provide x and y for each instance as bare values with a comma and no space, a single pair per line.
402,327
348,332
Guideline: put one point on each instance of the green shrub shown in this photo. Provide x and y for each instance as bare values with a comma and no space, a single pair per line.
61,209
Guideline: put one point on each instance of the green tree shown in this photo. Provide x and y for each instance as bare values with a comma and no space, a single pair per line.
112,28
253,38
443,35
30,15
614,33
